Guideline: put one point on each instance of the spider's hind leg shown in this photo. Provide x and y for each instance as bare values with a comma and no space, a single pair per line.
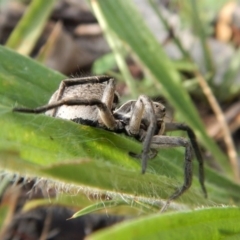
195,146
161,141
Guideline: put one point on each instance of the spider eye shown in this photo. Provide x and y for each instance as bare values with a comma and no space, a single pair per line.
157,105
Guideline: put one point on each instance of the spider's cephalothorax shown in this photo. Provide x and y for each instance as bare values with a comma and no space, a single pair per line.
93,101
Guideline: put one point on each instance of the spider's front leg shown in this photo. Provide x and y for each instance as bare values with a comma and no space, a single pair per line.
143,112
105,113
160,141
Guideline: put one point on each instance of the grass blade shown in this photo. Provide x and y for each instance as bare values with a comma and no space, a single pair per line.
212,223
30,27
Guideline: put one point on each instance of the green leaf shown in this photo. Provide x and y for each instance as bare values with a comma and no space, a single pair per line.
30,27
230,79
200,31
104,64
98,206
212,223
103,205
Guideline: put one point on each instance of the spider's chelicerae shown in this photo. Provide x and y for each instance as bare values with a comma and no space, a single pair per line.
93,101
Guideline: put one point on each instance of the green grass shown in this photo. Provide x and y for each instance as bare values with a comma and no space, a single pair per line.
97,161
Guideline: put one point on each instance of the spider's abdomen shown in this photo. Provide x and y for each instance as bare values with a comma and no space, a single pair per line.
83,92
75,112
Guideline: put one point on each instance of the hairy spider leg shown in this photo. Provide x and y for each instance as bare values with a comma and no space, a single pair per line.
169,141
193,140
108,99
106,112
143,105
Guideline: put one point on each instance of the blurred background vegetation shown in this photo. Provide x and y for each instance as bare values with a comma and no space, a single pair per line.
184,53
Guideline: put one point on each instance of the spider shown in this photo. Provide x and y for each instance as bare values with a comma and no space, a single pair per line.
93,101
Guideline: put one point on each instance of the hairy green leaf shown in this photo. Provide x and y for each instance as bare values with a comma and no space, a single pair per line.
212,223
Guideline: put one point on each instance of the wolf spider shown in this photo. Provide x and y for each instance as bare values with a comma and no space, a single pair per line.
93,101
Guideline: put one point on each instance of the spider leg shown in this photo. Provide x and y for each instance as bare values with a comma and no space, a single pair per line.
65,101
82,80
143,107
108,99
168,141
106,112
193,140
